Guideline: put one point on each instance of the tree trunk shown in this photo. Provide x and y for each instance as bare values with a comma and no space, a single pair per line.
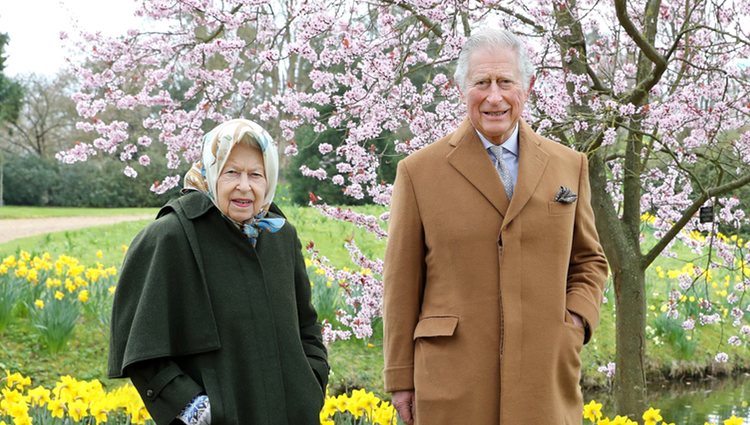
630,377
2,170
623,252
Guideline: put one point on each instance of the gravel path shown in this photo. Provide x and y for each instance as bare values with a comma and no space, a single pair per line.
22,227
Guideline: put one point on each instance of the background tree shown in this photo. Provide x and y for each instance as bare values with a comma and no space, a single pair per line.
10,102
653,91
46,119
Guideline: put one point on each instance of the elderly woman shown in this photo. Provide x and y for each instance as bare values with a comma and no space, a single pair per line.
212,319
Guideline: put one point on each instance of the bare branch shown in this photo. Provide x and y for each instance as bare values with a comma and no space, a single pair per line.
634,33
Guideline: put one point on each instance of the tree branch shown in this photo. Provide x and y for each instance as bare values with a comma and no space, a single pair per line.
656,250
640,41
431,26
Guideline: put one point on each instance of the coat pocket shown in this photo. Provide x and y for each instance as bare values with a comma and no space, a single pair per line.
213,391
432,326
559,208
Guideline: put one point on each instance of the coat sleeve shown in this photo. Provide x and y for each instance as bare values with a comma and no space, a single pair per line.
403,283
588,268
310,329
164,388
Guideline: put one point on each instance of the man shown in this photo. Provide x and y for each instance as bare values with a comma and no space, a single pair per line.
493,270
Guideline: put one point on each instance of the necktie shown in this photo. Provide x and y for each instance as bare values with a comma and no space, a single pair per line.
502,170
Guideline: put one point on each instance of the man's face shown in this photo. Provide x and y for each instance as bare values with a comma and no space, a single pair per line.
495,95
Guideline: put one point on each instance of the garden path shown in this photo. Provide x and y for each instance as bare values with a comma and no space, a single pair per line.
23,227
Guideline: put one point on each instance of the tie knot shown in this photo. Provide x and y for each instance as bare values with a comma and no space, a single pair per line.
497,151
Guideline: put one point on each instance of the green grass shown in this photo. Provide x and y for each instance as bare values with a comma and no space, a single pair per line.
327,234
354,363
9,211
84,357
82,244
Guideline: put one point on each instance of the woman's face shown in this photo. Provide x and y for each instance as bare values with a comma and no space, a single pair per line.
241,186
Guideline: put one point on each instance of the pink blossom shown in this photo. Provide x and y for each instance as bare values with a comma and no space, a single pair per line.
688,324
291,149
130,172
609,370
325,148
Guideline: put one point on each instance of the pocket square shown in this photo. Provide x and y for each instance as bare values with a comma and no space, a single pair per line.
565,196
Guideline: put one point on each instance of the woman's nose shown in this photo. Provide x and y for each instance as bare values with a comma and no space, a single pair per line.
244,182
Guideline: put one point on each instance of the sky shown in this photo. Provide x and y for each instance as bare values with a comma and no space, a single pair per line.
34,28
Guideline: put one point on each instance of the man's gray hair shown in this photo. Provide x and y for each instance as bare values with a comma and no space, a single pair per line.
489,37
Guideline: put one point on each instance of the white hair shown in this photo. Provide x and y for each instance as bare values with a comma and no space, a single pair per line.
491,37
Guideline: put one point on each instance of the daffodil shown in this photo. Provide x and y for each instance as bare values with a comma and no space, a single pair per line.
16,380
39,396
57,408
83,296
734,420
651,416
592,411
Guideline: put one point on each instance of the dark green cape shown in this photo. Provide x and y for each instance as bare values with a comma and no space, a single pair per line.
201,309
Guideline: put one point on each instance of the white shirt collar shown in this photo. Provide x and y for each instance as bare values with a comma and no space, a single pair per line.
510,145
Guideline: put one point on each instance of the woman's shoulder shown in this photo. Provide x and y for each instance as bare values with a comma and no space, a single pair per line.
287,230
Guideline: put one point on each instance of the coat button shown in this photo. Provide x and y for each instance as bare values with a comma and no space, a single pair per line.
149,393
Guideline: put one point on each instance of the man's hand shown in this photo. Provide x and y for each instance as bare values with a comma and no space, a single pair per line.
577,320
403,401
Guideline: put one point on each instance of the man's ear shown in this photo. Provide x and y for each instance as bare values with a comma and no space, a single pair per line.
461,95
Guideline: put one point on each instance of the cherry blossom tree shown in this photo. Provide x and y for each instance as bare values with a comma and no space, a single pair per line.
653,91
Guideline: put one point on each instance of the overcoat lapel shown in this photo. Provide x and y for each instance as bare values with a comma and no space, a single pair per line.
532,161
470,159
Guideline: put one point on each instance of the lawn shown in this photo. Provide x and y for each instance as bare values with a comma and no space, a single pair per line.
672,352
9,211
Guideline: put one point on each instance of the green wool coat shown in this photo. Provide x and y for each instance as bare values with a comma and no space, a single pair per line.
198,309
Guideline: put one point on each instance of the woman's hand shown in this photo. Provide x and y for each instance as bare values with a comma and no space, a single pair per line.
197,412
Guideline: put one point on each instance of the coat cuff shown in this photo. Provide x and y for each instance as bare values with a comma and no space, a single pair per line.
399,378
583,307
166,393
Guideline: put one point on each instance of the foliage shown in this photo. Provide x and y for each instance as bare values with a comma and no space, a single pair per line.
310,152
53,293
70,401
592,412
11,91
46,120
360,408
355,364
31,180
654,92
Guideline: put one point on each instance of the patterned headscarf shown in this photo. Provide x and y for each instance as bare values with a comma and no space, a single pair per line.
217,145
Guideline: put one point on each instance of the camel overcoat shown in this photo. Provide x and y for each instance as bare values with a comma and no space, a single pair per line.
479,290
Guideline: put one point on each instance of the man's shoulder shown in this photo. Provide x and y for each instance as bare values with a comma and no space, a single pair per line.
552,147
437,149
